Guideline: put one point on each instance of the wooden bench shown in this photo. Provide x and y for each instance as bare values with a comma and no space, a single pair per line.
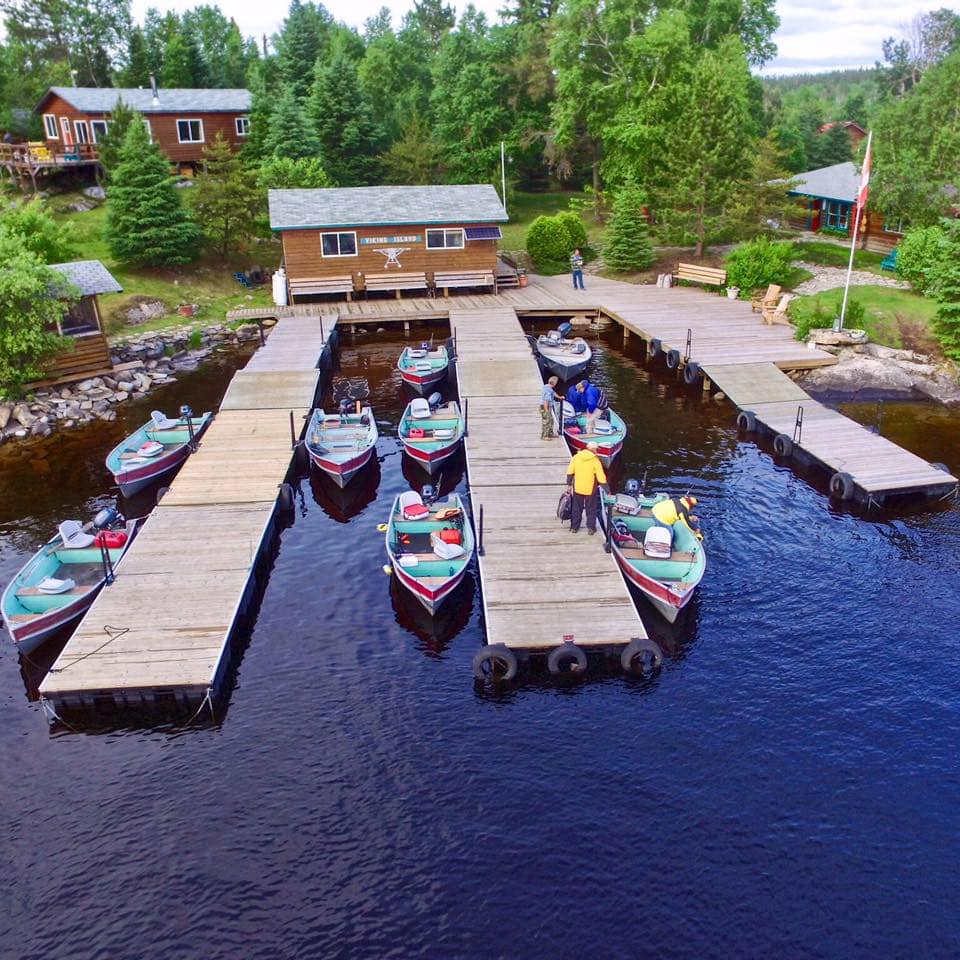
310,286
445,279
695,273
396,282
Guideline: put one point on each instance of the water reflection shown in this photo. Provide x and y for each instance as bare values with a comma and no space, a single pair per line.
343,504
434,633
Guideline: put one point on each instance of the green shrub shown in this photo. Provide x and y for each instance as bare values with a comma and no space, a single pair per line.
758,263
548,243
575,229
821,317
918,255
946,291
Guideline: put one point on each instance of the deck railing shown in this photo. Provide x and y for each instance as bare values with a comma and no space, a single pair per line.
38,154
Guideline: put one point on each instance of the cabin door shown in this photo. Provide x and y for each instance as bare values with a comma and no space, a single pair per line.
65,131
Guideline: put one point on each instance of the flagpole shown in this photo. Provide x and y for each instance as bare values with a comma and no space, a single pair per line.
861,200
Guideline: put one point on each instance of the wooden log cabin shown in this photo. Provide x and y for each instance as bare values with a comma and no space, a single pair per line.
349,240
181,122
81,321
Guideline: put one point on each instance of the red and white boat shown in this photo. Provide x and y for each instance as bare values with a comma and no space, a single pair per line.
156,449
607,432
430,434
342,444
423,367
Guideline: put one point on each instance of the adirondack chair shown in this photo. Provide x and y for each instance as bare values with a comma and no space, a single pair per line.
762,301
889,262
778,314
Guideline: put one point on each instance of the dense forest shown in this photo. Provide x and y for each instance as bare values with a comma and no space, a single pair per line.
662,96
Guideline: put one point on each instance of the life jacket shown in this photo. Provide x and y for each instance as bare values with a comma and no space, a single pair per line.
672,510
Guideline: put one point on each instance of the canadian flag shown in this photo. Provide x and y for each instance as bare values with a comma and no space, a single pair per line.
865,176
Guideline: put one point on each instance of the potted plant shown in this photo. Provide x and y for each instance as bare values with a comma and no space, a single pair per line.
733,293
187,309
521,277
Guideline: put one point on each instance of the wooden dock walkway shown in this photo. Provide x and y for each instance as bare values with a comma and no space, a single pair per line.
160,632
527,606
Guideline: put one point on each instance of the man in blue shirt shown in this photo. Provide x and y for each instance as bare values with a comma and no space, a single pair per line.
548,397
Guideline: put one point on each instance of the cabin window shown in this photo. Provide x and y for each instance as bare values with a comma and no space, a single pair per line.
190,131
146,123
339,244
99,129
82,131
895,224
836,215
81,318
243,126
50,125
445,239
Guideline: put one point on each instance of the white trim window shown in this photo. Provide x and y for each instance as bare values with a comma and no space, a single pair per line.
146,123
50,126
445,239
82,131
99,129
339,244
895,225
190,131
242,125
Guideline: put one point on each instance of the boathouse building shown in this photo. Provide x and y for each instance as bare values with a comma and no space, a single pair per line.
353,240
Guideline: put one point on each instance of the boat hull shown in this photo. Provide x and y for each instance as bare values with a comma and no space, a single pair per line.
133,481
422,382
668,603
341,473
565,371
430,599
607,452
430,460
28,636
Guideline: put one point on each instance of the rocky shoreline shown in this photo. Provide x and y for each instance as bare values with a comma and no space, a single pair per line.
142,362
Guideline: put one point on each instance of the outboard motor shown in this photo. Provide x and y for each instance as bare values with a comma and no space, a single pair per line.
428,494
187,414
565,329
435,399
346,407
425,346
579,347
553,336
632,488
106,518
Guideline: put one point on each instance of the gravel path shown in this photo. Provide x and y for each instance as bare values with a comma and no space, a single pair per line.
829,278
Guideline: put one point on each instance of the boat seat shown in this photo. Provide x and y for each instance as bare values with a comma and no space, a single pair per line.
161,421
411,506
677,556
420,408
75,591
73,535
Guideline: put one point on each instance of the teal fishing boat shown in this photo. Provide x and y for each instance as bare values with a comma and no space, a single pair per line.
607,431
666,565
430,433
429,546
424,366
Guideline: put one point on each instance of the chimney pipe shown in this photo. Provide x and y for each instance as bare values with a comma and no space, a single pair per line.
156,93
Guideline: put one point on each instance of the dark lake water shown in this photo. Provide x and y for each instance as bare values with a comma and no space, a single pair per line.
787,787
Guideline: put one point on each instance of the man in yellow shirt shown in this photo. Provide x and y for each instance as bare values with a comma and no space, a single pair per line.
584,475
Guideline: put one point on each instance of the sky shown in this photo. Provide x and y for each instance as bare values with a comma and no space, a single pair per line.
813,36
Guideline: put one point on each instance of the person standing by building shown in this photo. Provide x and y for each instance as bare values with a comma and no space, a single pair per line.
576,268
584,475
548,398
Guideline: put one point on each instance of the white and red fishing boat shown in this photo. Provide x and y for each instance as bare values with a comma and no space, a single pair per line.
429,546
607,431
430,433
156,449
423,367
342,444
60,581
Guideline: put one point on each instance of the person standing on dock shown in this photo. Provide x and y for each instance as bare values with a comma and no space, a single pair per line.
576,268
584,475
548,398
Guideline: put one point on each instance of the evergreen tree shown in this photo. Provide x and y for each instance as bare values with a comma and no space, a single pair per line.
290,134
110,144
284,173
764,197
177,63
628,245
435,18
946,323
833,146
136,71
349,139
146,221
415,158
300,42
263,84
226,197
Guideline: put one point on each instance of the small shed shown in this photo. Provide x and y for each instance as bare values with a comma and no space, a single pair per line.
82,321
365,239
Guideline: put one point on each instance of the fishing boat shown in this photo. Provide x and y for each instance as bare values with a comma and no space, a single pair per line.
430,433
565,356
157,448
342,444
608,432
423,367
429,546
60,581
665,569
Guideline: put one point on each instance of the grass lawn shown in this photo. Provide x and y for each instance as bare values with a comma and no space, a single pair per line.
524,208
892,317
834,255
208,283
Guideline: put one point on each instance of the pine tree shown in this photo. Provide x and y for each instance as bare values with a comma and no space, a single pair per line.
226,197
110,144
946,323
349,139
290,134
146,221
301,41
136,70
177,65
415,158
628,245
284,173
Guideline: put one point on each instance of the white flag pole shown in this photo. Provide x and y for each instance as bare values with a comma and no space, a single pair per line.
853,242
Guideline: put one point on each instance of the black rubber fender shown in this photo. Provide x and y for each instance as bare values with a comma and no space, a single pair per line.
656,348
564,653
495,661
286,497
673,359
692,373
942,467
638,653
842,486
747,421
782,445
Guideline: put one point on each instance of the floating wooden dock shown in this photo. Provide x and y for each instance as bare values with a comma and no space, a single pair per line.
527,606
160,633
